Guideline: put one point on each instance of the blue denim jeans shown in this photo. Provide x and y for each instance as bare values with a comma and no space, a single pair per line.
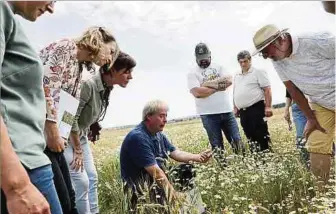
300,121
86,182
214,124
42,179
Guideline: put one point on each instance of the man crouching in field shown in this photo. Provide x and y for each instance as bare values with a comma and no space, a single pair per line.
144,151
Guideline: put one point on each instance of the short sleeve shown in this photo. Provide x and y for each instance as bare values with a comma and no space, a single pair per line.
323,45
193,82
140,152
169,147
288,95
263,79
6,28
280,71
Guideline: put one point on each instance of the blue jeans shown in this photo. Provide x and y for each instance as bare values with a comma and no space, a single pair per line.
86,182
42,179
300,121
214,124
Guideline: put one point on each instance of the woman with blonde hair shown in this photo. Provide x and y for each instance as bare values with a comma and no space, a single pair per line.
64,63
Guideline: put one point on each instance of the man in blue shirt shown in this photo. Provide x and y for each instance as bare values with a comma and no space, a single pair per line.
145,149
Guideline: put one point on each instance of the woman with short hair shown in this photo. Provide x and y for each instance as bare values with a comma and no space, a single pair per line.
94,100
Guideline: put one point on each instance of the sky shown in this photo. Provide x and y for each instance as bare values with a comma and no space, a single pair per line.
161,36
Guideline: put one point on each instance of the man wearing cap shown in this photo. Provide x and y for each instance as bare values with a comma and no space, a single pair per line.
252,98
208,82
306,62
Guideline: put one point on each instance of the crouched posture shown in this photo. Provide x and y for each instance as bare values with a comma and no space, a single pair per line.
144,151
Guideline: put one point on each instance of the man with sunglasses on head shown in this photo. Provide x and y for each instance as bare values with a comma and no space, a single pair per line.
26,176
306,65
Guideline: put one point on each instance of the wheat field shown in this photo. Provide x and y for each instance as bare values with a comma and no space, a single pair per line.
275,182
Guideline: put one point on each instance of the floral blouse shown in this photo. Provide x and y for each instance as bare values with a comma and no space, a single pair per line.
61,71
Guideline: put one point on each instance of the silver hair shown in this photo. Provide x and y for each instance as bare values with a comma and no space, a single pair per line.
243,54
153,107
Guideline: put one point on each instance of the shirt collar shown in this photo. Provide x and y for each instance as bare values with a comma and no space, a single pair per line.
250,70
144,127
295,44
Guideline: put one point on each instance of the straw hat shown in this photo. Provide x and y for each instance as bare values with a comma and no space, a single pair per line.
265,36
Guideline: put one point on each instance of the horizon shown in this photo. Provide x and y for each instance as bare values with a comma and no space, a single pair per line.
161,36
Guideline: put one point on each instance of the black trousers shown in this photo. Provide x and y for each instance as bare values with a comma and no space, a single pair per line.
254,126
62,180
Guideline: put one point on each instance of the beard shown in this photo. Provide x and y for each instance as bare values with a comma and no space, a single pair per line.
204,63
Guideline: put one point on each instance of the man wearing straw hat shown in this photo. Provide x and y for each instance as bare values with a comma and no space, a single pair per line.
306,62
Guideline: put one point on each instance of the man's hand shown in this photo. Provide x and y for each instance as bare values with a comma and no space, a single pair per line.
77,162
54,141
236,111
312,125
176,197
204,157
220,84
287,115
268,112
55,144
27,200
288,119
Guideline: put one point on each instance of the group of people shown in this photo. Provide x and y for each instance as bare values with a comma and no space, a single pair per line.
306,65
43,172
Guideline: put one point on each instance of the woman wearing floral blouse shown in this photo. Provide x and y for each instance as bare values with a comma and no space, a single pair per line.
63,62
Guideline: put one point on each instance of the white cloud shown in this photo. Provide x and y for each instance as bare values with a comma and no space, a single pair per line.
161,37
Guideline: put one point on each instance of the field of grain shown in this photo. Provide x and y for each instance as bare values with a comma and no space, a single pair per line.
272,183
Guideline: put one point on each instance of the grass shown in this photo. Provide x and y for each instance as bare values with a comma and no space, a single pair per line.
270,183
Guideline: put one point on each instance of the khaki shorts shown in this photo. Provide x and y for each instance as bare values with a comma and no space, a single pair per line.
319,142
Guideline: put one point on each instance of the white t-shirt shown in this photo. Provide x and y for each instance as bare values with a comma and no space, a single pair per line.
219,102
311,67
247,88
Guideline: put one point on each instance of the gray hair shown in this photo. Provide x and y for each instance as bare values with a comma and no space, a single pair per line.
153,107
243,54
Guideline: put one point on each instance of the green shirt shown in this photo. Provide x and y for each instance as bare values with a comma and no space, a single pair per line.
90,104
23,104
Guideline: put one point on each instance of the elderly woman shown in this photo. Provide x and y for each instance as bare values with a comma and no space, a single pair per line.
63,63
94,100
